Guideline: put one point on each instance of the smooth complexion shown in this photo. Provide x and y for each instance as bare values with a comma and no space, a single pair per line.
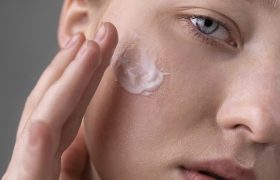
220,101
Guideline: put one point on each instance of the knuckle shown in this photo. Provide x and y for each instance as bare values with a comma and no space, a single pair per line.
40,132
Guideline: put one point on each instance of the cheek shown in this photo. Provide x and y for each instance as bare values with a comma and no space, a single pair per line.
121,127
136,70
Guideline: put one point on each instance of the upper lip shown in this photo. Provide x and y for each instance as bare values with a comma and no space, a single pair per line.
226,169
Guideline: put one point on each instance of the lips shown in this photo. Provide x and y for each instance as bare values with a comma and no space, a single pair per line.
216,170
191,175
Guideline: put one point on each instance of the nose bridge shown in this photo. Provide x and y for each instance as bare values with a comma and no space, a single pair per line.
265,41
253,103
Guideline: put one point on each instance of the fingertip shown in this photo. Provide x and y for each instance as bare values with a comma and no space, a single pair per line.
104,43
107,35
112,33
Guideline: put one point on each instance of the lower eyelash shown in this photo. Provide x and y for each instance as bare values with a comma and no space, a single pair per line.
196,33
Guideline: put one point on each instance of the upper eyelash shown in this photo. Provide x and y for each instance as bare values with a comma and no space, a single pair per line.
203,37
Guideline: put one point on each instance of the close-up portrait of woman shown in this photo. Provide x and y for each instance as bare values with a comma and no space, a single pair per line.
156,90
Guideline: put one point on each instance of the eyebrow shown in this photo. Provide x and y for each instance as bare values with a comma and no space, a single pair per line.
272,4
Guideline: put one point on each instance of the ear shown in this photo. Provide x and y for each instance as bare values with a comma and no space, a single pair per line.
74,18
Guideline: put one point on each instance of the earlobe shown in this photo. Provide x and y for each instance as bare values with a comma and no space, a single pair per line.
74,18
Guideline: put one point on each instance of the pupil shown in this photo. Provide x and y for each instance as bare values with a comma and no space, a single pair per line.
208,23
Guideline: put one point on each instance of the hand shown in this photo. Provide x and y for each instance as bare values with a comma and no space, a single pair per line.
49,144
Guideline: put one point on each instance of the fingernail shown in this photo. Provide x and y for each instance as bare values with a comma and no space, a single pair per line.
101,33
71,41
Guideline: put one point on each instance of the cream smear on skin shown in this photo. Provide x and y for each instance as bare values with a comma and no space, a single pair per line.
136,71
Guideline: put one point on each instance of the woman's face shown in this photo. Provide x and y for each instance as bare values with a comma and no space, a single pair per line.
219,101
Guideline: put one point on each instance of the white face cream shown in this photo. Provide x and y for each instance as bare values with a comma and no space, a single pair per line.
136,71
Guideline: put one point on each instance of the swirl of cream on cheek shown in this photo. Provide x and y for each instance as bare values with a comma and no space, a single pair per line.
137,72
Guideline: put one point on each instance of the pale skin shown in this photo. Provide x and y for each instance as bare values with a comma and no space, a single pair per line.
221,99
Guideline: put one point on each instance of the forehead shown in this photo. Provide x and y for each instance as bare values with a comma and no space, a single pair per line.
272,4
261,4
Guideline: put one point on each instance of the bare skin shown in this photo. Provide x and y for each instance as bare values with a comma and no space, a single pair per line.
53,112
220,102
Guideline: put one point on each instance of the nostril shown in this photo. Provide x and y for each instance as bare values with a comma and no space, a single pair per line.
237,126
241,126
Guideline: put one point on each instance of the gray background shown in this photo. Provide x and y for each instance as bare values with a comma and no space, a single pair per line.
27,45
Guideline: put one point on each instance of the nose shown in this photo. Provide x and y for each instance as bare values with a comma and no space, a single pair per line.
252,105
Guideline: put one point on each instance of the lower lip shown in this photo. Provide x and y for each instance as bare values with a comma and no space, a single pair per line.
194,175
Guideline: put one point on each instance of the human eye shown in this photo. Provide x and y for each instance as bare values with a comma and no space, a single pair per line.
211,31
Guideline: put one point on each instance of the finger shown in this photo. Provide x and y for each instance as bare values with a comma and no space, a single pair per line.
64,95
95,80
41,138
56,94
50,75
107,46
